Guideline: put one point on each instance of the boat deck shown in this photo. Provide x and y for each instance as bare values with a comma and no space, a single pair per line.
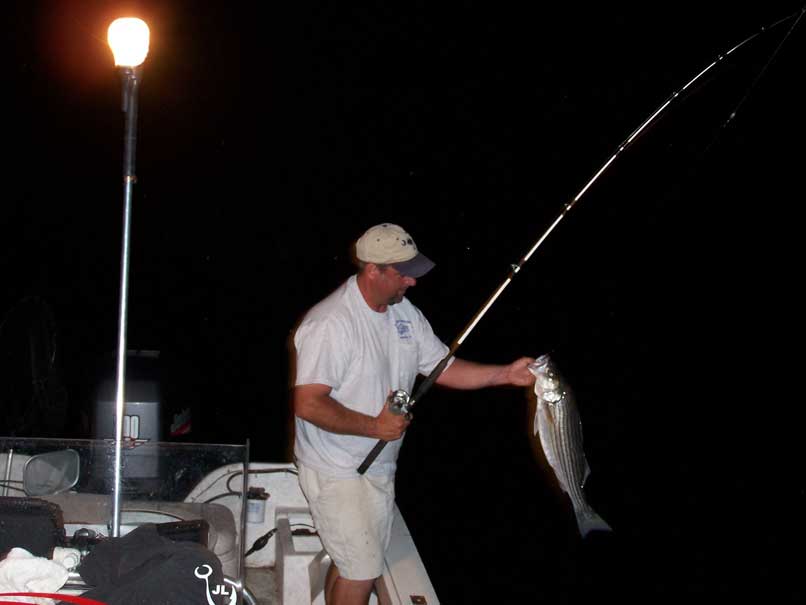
262,584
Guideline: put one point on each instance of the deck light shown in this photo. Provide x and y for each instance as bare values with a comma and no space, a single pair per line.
128,38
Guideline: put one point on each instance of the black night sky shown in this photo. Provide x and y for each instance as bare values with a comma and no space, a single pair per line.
272,134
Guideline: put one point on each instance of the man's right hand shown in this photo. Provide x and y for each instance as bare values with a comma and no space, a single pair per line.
390,426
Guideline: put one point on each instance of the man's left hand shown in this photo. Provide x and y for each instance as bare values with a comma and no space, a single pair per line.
517,373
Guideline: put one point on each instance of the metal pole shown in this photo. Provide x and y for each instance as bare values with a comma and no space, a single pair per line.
130,77
244,506
8,471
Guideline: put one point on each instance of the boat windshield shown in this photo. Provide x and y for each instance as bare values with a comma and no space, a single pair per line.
192,491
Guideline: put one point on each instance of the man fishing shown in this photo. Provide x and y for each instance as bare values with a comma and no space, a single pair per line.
353,349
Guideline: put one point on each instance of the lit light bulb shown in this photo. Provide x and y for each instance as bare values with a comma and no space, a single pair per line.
128,38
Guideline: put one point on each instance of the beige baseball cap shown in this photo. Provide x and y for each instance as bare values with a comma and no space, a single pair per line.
389,244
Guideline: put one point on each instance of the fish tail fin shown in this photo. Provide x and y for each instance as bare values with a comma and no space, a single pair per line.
589,520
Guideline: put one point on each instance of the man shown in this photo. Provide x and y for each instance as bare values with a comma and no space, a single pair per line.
353,348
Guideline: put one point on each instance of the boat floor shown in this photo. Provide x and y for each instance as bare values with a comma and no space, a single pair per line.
262,584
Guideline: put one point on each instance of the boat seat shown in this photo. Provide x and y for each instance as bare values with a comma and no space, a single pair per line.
95,511
301,562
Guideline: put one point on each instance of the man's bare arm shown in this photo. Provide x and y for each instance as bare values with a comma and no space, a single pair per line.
463,374
312,402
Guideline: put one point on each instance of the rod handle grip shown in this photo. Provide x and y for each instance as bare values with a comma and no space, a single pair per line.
371,456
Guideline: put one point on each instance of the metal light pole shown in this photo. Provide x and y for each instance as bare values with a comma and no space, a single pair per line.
128,38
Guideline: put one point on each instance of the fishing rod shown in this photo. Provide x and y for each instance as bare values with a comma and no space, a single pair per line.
399,401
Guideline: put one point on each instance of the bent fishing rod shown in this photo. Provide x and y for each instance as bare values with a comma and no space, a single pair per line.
399,401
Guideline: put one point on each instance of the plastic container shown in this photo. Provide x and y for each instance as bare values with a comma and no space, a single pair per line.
256,505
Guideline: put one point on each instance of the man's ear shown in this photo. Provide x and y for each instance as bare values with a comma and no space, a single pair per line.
372,270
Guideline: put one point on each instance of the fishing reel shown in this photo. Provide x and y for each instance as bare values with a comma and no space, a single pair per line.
399,402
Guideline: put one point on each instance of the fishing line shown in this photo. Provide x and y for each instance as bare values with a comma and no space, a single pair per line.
760,74
515,269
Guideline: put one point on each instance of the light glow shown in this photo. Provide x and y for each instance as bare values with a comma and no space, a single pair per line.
128,39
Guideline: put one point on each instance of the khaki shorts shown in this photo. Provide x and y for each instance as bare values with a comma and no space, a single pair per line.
354,519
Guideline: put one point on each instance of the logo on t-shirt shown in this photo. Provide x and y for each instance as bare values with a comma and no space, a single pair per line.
403,329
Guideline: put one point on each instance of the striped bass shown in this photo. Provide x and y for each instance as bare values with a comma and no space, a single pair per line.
560,426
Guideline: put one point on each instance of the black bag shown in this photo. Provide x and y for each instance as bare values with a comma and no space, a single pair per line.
143,567
30,523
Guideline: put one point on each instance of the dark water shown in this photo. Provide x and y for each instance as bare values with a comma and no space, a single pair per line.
668,296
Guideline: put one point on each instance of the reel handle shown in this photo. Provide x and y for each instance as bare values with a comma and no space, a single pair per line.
399,403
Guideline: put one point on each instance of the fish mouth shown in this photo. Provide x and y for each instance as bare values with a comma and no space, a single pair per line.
539,363
543,360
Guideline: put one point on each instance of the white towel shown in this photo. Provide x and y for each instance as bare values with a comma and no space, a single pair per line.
69,558
21,571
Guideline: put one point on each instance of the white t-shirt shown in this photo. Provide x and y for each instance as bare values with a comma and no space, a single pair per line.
362,355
